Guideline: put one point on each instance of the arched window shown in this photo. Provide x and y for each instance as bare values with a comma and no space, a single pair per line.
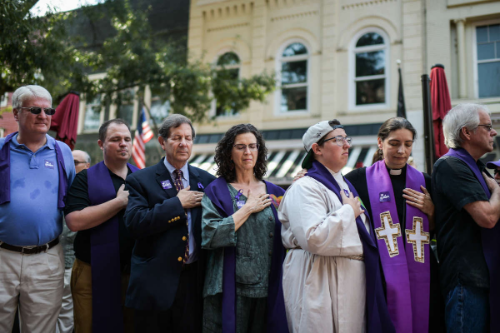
293,73
228,65
370,69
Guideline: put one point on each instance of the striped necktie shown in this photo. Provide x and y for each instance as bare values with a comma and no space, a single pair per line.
179,186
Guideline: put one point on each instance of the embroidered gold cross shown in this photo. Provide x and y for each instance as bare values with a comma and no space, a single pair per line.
418,237
389,233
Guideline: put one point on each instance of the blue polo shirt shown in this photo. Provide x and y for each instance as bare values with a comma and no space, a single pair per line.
32,217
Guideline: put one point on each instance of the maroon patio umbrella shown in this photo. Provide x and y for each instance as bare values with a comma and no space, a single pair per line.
441,104
65,120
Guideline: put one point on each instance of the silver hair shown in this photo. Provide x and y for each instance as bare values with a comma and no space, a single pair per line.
174,121
462,115
25,93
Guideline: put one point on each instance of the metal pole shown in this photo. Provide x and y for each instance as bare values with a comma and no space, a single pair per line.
428,129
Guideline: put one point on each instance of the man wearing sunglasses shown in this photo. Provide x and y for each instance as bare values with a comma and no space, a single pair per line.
35,173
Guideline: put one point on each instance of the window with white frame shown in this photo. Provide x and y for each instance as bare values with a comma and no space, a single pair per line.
488,60
126,109
159,109
294,77
92,119
370,69
229,65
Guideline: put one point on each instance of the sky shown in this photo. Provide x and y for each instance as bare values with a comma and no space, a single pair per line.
42,6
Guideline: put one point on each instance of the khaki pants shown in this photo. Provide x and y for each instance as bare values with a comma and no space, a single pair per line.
34,283
65,319
81,288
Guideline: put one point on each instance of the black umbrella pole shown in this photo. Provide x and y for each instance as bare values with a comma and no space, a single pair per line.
428,130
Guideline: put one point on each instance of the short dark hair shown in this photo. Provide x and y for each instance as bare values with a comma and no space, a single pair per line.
174,121
223,153
103,130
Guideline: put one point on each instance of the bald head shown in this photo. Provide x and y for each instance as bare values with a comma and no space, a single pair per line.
82,160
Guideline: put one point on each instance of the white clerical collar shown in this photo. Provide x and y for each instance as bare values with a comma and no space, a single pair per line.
395,172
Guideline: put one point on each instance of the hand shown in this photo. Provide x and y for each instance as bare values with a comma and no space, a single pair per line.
301,174
257,203
490,182
420,200
189,199
353,202
122,195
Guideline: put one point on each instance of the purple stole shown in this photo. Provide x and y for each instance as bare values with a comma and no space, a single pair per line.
490,241
107,313
377,315
406,263
220,196
5,173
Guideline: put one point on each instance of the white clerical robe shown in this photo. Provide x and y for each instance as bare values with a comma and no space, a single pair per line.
323,278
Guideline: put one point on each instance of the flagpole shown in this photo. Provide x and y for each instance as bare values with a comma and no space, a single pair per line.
401,111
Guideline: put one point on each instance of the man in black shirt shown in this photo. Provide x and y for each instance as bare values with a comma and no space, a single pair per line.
464,214
93,279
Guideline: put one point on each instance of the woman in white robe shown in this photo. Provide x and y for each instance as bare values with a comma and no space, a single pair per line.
324,282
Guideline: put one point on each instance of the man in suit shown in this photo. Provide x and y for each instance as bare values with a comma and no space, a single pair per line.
164,216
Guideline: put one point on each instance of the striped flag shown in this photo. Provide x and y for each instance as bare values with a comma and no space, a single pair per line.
142,135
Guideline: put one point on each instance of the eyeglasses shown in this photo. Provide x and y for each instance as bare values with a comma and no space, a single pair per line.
488,127
339,140
243,147
37,110
496,172
79,162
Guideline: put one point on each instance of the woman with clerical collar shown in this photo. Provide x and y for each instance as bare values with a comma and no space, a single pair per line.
241,233
331,274
397,199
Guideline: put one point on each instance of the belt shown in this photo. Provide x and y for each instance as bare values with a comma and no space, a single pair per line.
30,249
359,258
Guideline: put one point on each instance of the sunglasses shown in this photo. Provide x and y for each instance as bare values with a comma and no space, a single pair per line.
38,110
496,172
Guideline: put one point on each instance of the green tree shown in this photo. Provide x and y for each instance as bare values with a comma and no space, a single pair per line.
43,51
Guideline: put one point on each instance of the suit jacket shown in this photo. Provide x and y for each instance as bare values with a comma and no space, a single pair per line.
156,219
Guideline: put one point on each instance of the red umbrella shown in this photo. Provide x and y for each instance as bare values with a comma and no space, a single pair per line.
441,104
65,120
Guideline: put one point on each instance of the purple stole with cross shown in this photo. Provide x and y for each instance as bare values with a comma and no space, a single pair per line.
107,313
377,316
406,262
5,173
220,196
490,241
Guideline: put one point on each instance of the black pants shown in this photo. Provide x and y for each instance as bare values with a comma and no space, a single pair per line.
185,314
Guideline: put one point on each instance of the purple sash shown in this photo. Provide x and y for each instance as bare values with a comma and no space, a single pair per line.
377,315
490,241
107,313
219,194
406,265
5,173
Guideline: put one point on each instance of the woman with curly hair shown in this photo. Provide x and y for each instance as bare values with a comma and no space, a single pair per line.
241,230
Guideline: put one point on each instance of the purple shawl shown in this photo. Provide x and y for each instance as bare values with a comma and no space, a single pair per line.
407,266
490,241
107,313
5,173
377,315
219,194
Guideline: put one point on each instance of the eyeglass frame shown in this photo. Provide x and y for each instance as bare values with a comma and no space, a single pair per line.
340,138
80,162
243,147
488,127
33,108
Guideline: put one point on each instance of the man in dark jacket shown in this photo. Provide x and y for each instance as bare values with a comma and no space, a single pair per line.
164,216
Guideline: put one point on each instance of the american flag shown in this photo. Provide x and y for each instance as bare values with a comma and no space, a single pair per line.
142,135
